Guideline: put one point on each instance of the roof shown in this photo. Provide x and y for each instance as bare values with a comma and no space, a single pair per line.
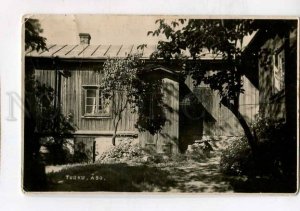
84,51
88,51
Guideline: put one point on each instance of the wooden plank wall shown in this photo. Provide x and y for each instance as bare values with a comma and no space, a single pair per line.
226,123
71,100
272,106
167,140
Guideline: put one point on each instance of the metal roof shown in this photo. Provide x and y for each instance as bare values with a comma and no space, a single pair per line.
84,51
91,51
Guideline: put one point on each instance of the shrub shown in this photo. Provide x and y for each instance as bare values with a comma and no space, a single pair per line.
275,149
236,159
272,151
127,150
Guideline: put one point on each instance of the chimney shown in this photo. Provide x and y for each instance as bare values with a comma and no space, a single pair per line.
84,38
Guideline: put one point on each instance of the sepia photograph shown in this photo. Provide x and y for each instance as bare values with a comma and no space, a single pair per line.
175,104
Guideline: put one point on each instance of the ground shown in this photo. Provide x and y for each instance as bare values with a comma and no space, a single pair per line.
188,177
199,177
183,176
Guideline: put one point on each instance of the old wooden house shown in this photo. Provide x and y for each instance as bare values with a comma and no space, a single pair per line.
271,65
195,110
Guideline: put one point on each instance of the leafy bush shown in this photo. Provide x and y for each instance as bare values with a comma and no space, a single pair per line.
129,151
125,151
274,151
268,128
236,159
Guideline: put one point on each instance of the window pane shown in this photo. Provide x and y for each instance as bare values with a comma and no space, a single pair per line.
104,106
90,109
90,101
95,104
278,72
91,92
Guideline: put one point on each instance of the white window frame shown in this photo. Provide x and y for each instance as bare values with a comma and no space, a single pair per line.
278,83
97,112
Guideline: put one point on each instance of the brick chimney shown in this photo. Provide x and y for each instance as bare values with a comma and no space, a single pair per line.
85,38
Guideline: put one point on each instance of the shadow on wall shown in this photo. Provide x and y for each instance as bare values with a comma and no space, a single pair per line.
170,146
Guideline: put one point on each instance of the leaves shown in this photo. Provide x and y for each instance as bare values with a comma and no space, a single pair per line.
197,36
33,40
151,113
123,83
49,119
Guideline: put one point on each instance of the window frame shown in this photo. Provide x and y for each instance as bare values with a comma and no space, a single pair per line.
278,92
97,114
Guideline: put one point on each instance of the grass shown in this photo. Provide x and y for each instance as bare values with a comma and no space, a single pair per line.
186,176
110,177
193,172
182,173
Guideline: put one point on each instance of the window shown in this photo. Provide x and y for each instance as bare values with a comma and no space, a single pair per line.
278,71
94,103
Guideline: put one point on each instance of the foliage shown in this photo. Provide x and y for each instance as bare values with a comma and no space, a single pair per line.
237,159
272,154
223,40
34,174
126,150
117,86
44,120
276,152
268,128
219,37
129,151
51,123
150,106
50,120
119,75
124,88
33,40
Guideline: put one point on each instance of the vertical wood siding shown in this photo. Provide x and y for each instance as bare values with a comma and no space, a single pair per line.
71,100
272,105
167,140
226,123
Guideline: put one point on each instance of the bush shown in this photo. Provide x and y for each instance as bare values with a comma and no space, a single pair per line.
273,151
127,150
237,159
276,150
